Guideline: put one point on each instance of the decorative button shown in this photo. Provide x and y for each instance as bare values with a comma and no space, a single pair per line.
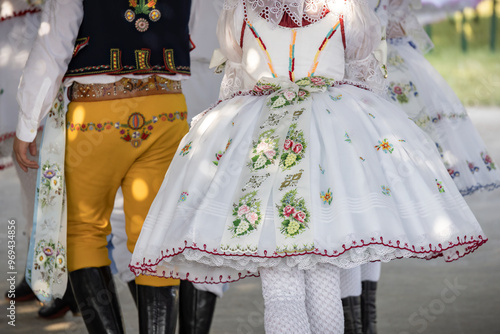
141,25
154,15
129,15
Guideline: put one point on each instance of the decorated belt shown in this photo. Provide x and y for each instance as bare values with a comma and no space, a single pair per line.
124,88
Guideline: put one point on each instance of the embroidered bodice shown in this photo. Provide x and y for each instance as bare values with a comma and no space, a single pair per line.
338,46
293,53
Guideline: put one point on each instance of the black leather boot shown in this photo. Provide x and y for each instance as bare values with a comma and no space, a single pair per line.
22,293
95,293
59,307
196,309
157,308
133,290
352,315
368,307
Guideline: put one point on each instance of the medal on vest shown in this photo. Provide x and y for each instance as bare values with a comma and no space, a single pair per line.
142,7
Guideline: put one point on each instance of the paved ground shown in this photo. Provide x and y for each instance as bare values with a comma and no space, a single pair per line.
414,296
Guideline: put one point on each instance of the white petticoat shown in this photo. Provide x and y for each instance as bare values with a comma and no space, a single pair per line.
425,96
391,197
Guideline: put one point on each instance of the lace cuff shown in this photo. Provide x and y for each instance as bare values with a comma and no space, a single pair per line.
366,72
232,82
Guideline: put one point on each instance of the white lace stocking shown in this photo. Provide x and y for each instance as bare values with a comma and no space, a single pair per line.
284,300
350,282
323,303
370,271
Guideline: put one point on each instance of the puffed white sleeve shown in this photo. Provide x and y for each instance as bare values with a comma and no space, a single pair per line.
365,46
404,23
229,35
47,63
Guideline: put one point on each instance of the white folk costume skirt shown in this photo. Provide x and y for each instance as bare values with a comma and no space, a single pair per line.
295,174
425,96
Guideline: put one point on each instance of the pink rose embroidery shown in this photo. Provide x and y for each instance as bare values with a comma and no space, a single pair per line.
288,210
300,216
288,144
289,95
398,90
317,81
263,146
257,89
298,148
270,154
243,210
302,93
252,217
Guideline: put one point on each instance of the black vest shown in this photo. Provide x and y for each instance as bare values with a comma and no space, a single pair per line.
132,37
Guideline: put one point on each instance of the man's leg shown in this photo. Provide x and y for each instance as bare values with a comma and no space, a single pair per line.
157,298
96,162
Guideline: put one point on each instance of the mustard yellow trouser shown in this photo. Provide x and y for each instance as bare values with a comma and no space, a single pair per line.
128,143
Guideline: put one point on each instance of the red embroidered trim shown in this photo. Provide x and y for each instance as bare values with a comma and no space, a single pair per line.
80,44
10,164
10,135
342,29
7,136
432,253
21,13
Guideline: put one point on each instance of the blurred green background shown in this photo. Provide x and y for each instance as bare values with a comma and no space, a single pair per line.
474,74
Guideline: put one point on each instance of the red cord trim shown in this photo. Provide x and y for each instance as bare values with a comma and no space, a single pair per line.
243,27
342,29
191,43
6,136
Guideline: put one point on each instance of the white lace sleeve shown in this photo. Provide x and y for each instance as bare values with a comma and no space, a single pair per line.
232,81
229,32
404,23
364,37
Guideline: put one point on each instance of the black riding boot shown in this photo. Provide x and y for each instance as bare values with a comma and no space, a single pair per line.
352,315
196,309
59,307
368,307
157,308
96,296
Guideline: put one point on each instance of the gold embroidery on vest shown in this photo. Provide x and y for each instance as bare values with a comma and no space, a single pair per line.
169,60
116,59
142,59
